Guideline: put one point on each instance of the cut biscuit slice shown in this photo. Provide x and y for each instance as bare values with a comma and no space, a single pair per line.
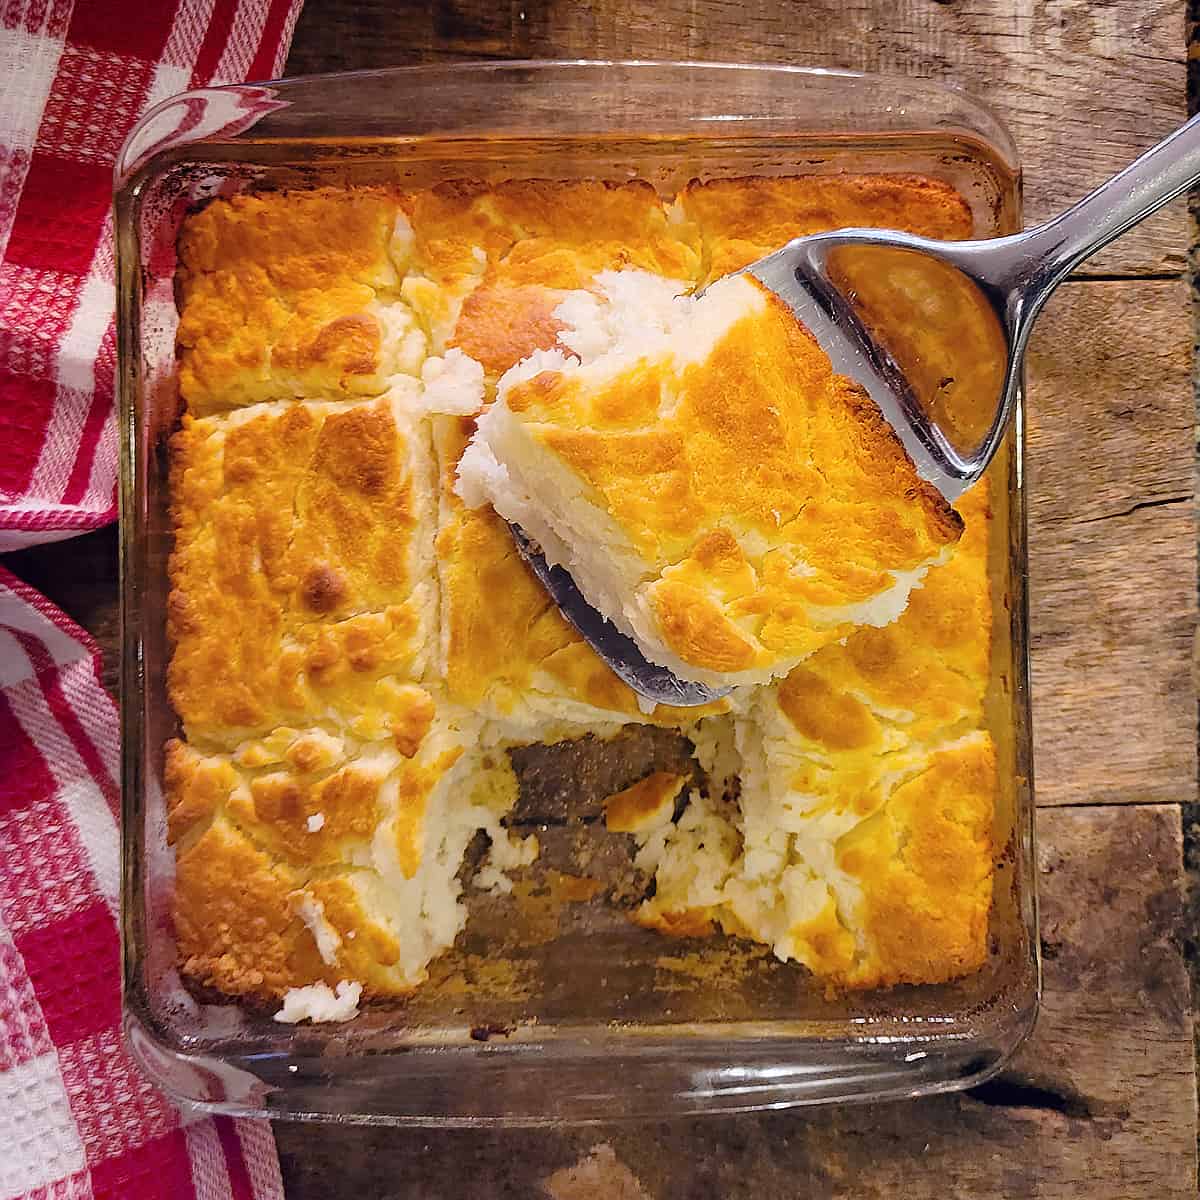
506,651
294,295
302,574
712,487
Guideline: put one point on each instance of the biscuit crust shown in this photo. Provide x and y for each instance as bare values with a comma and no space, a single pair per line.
354,648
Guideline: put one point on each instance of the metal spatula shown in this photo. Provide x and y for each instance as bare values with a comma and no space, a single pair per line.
934,331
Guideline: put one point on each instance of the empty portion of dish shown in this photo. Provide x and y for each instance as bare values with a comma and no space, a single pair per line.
356,650
712,487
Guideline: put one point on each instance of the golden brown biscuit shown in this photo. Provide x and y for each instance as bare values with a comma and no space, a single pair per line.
251,915
240,930
741,220
301,576
521,241
292,295
604,227
306,857
923,869
902,896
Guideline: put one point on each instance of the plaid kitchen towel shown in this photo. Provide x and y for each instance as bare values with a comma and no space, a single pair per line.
74,77
76,1117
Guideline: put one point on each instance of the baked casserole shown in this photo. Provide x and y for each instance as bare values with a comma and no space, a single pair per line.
357,648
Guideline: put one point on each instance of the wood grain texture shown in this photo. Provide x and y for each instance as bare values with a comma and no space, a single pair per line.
1099,1103
1112,545
1083,86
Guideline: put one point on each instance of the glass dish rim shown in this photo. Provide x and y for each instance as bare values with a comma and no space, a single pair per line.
998,137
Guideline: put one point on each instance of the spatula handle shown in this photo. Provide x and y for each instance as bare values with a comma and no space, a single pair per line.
1157,177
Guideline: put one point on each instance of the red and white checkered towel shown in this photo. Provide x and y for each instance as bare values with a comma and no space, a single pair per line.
74,77
76,1117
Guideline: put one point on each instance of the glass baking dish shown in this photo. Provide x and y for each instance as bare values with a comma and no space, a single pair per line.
606,1038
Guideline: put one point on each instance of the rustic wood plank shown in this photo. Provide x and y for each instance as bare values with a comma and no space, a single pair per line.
1112,545
1084,87
1099,1103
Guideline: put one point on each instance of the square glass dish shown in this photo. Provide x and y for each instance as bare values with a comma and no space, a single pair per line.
619,1022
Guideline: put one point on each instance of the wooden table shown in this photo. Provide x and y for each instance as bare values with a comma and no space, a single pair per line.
1101,1102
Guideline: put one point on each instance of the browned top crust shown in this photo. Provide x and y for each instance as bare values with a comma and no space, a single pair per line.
347,635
